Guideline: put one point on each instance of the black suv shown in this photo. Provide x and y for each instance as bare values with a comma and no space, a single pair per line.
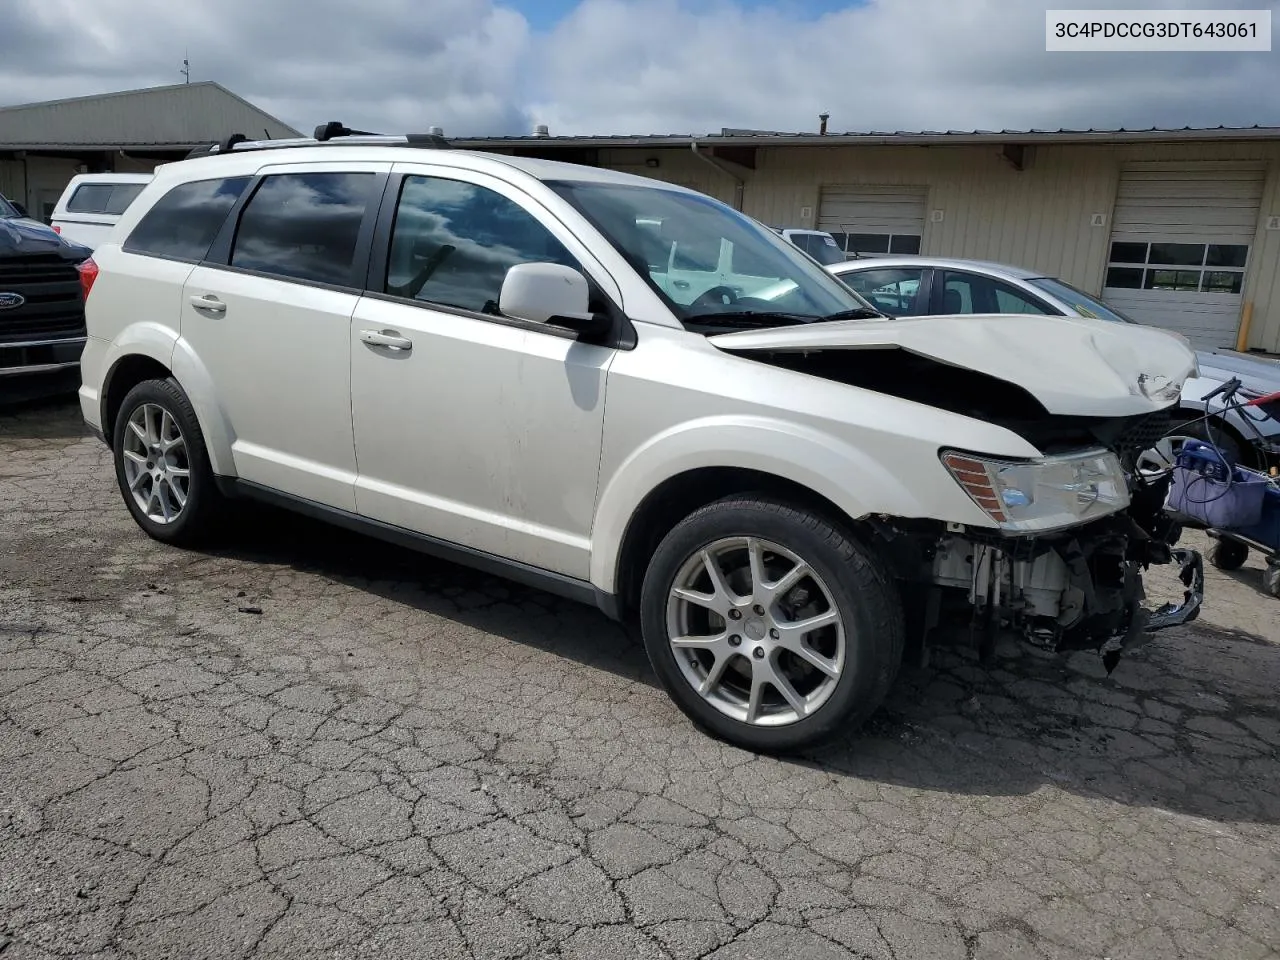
41,306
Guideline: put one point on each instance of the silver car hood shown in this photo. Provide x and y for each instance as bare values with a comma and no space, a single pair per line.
1073,366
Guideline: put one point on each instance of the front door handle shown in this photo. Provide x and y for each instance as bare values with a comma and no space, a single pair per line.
209,304
386,338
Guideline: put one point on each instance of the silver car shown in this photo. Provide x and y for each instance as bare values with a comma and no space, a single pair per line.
915,286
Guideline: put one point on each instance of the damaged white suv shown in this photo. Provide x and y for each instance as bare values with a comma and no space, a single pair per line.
628,393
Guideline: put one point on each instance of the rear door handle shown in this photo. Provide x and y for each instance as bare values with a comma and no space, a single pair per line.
209,304
385,338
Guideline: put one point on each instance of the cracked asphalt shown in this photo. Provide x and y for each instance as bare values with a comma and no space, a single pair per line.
308,744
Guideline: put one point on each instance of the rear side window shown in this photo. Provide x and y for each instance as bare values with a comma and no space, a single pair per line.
111,199
304,226
183,223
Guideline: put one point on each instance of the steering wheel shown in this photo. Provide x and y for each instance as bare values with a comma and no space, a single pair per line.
721,296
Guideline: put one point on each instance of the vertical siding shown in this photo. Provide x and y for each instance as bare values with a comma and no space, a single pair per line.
11,185
1037,217
674,166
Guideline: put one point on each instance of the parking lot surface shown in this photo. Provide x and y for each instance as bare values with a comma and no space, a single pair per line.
304,743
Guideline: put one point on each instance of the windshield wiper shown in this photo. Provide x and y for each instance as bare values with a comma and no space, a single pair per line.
749,318
857,313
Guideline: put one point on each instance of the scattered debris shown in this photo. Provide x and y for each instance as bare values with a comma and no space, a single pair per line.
256,610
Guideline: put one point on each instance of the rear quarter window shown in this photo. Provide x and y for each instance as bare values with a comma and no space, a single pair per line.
183,223
110,199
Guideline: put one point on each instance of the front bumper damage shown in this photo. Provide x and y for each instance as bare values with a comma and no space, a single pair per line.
1145,623
1078,590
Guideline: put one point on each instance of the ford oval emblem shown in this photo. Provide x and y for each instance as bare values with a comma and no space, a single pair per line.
11,301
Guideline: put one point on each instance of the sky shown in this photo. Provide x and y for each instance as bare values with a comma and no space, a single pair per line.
492,67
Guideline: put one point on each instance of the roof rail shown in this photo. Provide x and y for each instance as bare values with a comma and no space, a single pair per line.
331,134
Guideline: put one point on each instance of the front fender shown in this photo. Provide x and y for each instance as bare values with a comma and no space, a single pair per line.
854,480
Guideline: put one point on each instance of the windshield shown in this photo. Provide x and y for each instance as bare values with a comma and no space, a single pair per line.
1079,301
709,261
7,211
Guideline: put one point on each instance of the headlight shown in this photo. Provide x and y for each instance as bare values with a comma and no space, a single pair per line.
1042,494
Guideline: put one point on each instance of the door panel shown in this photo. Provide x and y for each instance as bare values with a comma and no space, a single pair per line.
278,353
482,434
480,430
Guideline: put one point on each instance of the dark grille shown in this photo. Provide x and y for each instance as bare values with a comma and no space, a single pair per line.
1143,432
53,308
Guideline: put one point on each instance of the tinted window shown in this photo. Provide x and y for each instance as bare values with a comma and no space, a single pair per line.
453,243
904,243
90,198
891,289
1009,300
184,222
304,226
958,293
107,198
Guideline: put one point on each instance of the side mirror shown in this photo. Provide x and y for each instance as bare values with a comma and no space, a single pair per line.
550,293
22,211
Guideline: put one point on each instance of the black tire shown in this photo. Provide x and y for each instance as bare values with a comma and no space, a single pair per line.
861,589
205,504
1228,554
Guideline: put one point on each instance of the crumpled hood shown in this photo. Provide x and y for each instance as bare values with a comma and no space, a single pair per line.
24,237
1073,366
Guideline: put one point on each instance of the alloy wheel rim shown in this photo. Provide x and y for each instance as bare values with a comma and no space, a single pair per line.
157,470
755,631
1162,457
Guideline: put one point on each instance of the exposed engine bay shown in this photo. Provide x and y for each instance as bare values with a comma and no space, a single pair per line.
1075,588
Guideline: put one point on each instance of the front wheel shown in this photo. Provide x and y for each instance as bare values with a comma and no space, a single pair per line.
769,627
161,464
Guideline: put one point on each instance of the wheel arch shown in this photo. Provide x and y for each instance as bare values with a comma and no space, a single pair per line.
156,354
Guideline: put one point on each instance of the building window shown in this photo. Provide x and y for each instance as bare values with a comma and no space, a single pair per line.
1183,267
864,243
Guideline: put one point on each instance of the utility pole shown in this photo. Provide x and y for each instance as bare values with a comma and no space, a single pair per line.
186,69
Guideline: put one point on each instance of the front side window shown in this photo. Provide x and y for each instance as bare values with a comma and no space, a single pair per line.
7,210
454,242
742,269
111,199
304,226
892,289
184,222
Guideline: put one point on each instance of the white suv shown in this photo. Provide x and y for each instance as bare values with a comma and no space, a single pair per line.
480,356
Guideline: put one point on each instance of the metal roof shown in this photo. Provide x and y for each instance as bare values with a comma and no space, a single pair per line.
737,137
170,117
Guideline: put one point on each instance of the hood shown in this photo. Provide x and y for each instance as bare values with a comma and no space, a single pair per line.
1072,366
24,237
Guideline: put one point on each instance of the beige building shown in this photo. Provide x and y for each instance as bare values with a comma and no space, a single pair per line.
43,145
1179,228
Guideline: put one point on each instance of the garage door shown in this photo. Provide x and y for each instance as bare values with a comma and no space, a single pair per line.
874,219
1179,246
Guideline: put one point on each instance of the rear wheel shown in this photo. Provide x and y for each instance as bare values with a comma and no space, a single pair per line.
1228,554
161,464
769,627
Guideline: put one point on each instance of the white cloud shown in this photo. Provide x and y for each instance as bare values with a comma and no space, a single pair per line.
655,66
629,66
